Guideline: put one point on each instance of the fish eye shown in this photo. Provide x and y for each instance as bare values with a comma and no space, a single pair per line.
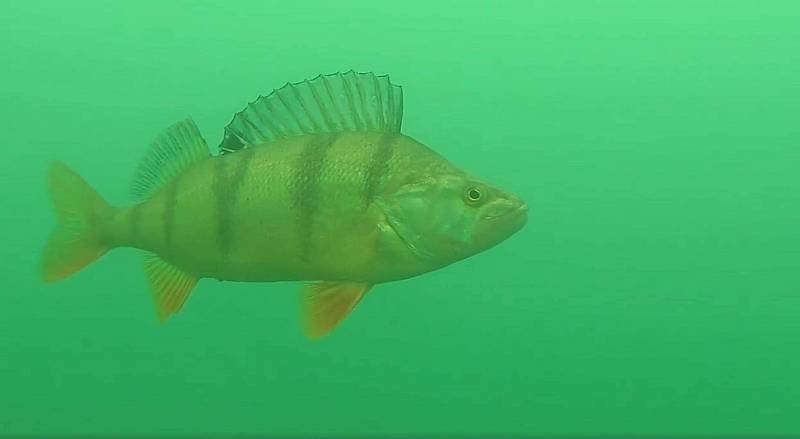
474,195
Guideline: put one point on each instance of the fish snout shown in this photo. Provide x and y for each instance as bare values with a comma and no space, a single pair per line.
518,212
519,205
506,216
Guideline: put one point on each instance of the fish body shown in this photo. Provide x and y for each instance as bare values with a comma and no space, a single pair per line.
313,183
302,208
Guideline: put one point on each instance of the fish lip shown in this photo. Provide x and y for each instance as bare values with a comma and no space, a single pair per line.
522,209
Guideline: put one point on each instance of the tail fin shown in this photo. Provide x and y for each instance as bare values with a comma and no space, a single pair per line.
75,242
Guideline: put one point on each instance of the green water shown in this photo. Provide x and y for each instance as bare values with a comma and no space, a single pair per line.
655,289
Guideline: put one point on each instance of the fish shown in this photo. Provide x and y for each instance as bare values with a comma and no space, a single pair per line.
312,183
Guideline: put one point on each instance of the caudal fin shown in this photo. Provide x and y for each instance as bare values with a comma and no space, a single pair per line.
76,241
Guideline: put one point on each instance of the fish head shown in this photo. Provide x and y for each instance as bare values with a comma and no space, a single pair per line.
447,217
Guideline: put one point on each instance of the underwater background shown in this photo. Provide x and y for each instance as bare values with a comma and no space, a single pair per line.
655,289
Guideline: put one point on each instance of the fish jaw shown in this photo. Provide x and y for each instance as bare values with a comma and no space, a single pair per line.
500,224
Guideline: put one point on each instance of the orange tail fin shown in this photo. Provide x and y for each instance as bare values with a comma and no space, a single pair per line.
75,242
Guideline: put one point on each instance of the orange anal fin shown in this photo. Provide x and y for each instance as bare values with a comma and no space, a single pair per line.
326,304
170,286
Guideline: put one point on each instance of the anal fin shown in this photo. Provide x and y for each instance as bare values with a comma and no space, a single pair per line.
170,286
326,304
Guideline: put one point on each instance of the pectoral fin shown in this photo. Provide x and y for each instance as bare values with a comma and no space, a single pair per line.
326,304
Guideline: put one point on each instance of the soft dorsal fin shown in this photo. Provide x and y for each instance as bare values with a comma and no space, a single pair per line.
326,104
171,152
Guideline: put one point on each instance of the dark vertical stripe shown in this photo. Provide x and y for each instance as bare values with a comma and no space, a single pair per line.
220,194
378,166
229,172
308,170
136,221
170,199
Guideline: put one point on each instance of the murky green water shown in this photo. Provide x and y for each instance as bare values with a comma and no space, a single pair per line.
655,289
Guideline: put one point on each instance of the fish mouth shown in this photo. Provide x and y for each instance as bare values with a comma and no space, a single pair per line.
518,217
497,227
518,211
506,222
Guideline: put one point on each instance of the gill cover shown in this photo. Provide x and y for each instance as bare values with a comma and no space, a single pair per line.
431,218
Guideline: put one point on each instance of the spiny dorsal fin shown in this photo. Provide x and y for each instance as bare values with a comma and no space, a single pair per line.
171,152
326,104
326,304
170,286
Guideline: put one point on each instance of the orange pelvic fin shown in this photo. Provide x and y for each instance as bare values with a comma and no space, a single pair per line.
326,304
